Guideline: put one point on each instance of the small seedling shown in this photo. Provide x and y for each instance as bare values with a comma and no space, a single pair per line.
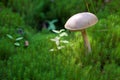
15,40
58,39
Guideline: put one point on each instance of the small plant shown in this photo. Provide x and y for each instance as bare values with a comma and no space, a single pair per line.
58,39
15,40
52,24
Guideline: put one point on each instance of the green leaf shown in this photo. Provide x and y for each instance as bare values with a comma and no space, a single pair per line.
56,31
17,44
54,21
19,38
63,34
52,25
62,30
9,36
64,41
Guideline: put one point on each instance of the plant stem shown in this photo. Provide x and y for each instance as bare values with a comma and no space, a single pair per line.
86,3
86,41
93,6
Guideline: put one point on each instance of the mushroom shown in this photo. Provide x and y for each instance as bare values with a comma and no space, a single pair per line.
79,22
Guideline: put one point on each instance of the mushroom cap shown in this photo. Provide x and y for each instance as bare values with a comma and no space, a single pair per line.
81,21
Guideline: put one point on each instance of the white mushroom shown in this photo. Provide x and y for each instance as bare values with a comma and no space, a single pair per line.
81,21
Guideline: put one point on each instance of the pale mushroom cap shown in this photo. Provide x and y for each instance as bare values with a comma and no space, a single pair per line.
81,21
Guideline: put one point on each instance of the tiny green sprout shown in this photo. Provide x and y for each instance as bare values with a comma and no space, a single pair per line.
15,40
58,40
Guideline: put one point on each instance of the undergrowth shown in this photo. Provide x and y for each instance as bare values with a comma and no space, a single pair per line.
70,63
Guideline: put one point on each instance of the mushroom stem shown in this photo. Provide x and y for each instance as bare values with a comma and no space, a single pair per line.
86,41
